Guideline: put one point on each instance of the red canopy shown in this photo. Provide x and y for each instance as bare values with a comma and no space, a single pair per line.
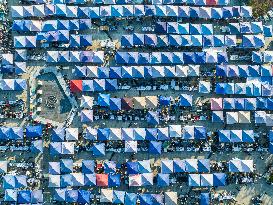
102,179
211,2
76,86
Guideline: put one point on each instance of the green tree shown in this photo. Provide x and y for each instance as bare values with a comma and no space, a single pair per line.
260,7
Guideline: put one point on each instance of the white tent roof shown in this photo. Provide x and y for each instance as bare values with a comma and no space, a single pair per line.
244,116
127,133
175,130
77,179
115,134
68,147
170,198
54,181
131,146
71,134
135,180
87,102
139,102
232,117
151,101
106,195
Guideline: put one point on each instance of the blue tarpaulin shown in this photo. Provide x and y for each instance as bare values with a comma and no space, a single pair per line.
34,131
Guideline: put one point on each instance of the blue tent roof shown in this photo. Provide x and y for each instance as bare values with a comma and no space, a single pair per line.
99,149
270,135
144,166
271,147
200,132
111,84
118,197
54,168
90,179
24,197
268,32
153,118
115,104
66,180
155,147
204,199
194,179
165,101
204,87
88,166
166,166
104,100
163,179
20,181
55,148
224,135
179,165
138,39
115,72
228,103
219,179
34,131
71,196
109,167
9,182
217,116
83,196
59,194
10,195
257,57
66,165
203,165
132,167
36,196
163,134
130,198
114,180
57,135
186,100
146,199
103,134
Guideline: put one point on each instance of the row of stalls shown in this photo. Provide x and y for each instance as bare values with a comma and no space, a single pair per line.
270,137
135,180
168,58
9,66
244,71
109,2
114,197
262,117
96,57
50,25
96,85
177,40
147,102
227,136
177,71
252,88
207,180
241,103
23,196
62,10
65,166
13,84
206,41
159,2
130,134
208,29
17,133
262,57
